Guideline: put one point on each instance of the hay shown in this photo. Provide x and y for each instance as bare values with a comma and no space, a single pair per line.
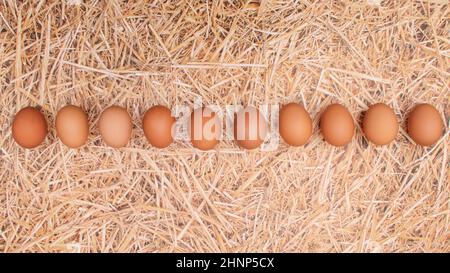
314,198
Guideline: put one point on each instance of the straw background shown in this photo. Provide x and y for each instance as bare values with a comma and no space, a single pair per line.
359,198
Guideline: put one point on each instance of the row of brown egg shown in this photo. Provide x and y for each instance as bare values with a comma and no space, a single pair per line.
380,126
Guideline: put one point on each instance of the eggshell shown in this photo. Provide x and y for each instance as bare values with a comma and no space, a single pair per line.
425,125
295,124
380,125
115,126
250,128
72,126
337,126
29,127
158,125
204,129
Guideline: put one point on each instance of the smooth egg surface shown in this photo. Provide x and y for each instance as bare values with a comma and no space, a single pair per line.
29,127
337,126
425,125
72,126
158,126
380,125
204,128
115,126
295,124
250,128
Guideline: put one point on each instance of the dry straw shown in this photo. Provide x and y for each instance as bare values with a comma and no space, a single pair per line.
360,198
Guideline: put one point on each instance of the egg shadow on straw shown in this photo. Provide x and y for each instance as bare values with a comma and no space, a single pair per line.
364,142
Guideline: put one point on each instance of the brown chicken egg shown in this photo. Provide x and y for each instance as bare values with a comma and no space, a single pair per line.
29,127
158,125
204,128
295,124
72,126
425,125
250,128
115,126
336,124
380,125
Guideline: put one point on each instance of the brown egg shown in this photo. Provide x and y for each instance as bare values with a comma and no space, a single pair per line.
295,124
336,124
250,128
380,125
157,124
29,127
204,129
425,125
72,126
115,126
